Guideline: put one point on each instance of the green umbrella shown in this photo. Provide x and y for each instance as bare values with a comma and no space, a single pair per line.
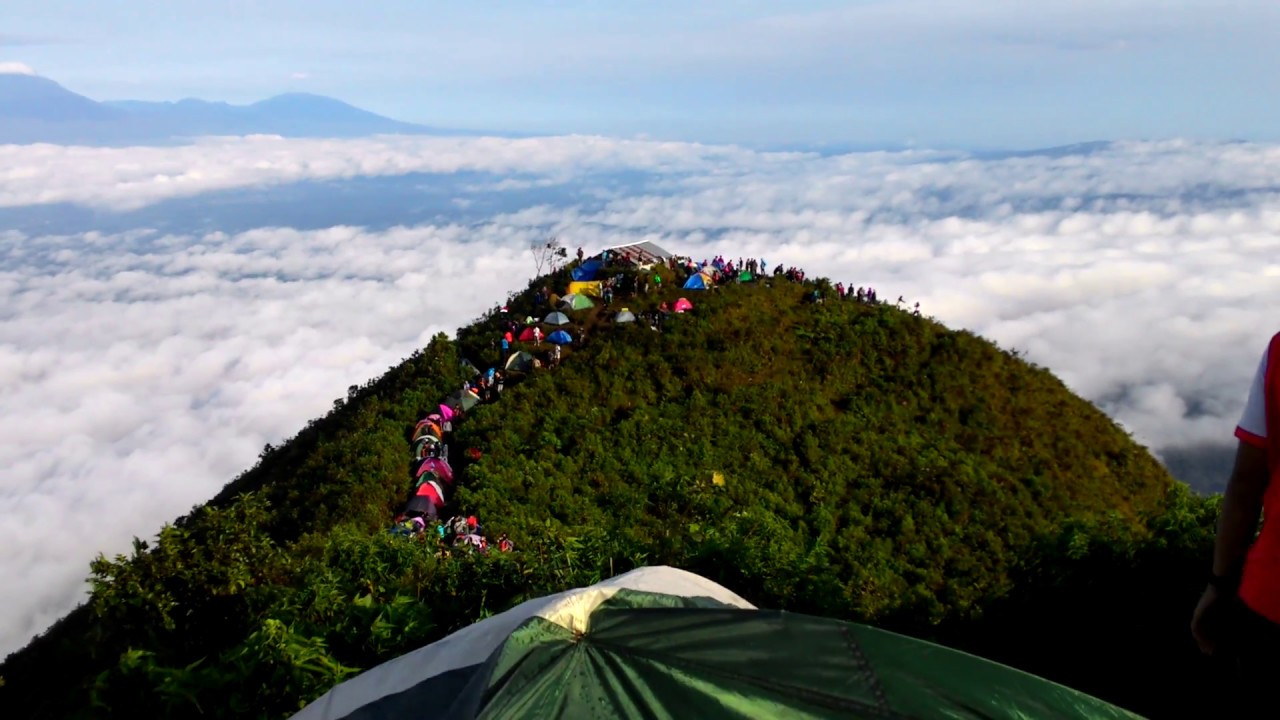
659,642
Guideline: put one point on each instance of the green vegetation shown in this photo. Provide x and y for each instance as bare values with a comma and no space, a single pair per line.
876,467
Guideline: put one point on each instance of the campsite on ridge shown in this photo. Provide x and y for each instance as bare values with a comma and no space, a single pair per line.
815,451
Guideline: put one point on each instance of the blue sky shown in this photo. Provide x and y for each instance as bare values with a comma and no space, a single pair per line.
942,73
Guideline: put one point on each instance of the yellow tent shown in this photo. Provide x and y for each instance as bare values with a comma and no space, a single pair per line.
585,288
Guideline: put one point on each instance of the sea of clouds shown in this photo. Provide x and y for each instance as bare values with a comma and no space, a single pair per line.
140,371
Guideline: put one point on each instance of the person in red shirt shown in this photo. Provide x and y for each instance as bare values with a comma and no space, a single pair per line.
1238,616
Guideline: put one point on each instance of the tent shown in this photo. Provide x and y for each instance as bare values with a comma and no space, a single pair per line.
587,270
429,428
520,361
560,337
437,466
575,302
682,305
466,398
745,276
446,411
527,335
585,288
661,642
421,445
557,318
469,368
700,281
625,316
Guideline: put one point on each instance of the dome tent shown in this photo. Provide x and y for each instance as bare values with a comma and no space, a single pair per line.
663,642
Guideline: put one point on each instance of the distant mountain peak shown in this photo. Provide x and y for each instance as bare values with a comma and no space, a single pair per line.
36,109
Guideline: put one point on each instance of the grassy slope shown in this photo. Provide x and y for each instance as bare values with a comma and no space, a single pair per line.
878,467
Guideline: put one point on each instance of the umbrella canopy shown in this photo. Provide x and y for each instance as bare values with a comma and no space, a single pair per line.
560,337
557,318
662,642
625,316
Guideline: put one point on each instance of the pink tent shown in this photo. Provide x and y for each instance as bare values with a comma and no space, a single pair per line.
446,412
435,418
437,466
682,305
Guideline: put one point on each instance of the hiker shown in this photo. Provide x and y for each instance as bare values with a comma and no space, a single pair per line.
1238,616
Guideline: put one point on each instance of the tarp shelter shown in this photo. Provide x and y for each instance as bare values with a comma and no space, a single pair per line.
575,302
466,398
520,362
560,337
625,316
591,289
659,642
557,318
587,270
528,335
642,253
682,305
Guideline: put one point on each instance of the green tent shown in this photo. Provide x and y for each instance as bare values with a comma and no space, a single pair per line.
574,301
745,276
659,642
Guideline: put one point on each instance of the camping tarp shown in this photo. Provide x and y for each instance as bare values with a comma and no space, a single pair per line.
587,270
575,302
520,362
663,642
591,289
625,316
560,337
557,318
682,305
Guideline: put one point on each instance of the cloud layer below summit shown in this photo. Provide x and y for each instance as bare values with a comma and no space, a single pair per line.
147,367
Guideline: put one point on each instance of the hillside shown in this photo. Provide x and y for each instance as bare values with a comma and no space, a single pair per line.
843,459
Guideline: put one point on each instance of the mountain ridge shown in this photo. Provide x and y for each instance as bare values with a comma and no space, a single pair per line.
35,109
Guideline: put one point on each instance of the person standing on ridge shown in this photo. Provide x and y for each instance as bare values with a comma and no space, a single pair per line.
1238,616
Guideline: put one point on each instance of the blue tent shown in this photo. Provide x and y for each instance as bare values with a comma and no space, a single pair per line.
586,272
695,282
560,337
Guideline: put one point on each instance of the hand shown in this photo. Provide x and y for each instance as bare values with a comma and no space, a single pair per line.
1205,621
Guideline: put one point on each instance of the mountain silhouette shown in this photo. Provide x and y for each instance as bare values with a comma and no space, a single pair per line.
38,110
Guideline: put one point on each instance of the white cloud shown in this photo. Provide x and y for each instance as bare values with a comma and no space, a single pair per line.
1142,275
11,67
299,76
